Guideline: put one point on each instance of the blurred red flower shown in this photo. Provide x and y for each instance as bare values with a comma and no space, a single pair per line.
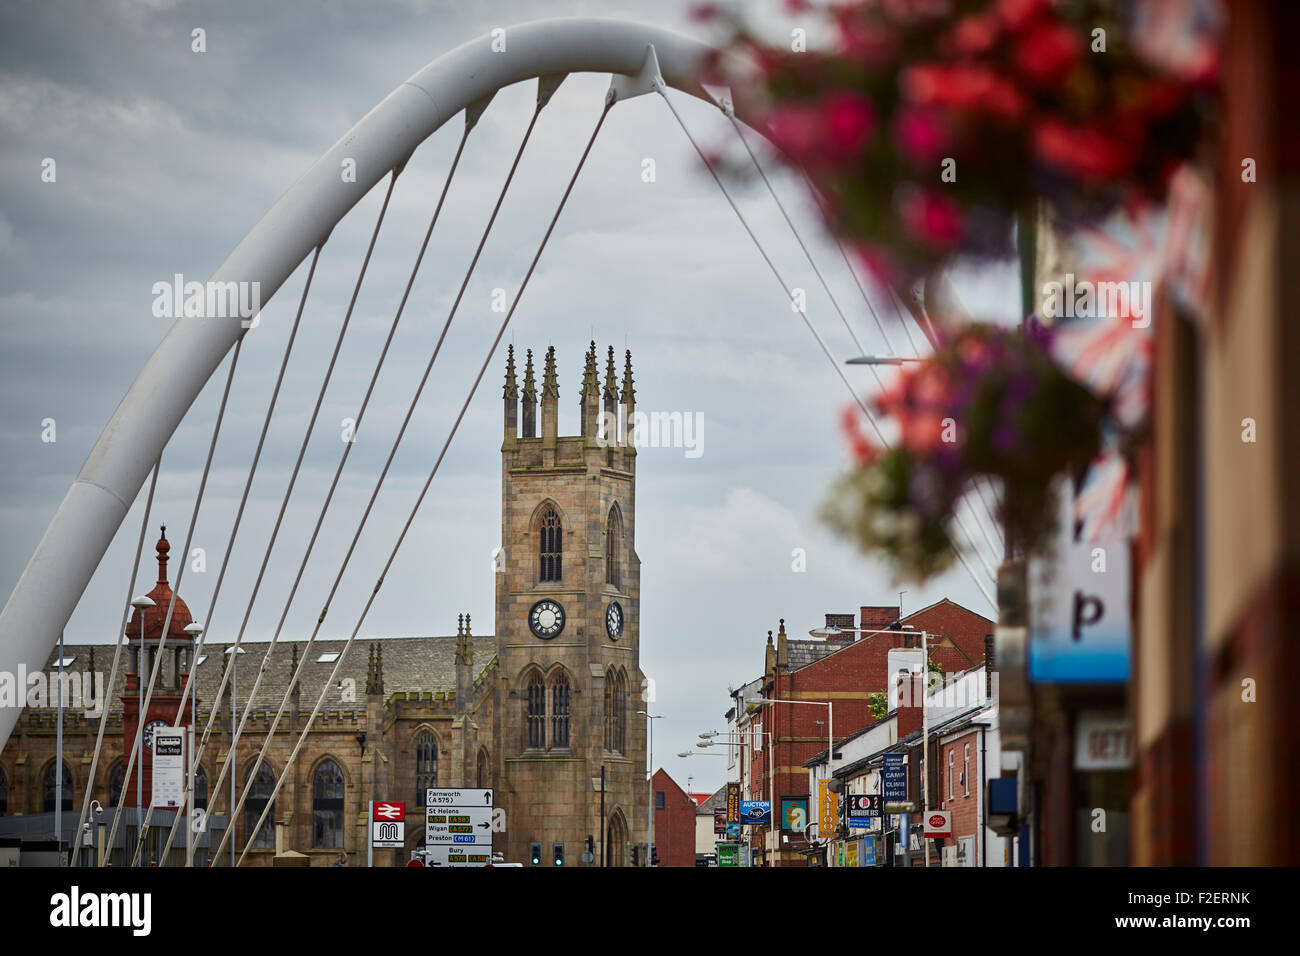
1047,52
931,217
850,122
1085,152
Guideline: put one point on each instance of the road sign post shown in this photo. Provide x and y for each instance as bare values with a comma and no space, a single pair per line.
458,827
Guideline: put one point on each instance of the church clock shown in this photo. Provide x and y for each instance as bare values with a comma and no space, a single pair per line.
614,620
150,729
546,619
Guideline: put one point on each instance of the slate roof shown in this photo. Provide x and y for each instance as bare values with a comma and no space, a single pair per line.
802,653
413,664
719,799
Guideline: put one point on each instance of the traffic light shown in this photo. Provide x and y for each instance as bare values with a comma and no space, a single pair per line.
636,856
557,854
536,854
654,855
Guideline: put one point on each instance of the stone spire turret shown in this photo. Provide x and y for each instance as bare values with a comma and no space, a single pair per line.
769,658
627,398
529,399
511,397
375,672
782,650
550,403
611,399
589,400
464,664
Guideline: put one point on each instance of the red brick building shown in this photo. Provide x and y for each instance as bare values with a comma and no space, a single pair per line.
844,668
674,822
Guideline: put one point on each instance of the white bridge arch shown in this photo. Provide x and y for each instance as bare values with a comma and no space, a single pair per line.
114,472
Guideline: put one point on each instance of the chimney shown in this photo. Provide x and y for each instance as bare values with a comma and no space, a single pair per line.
910,688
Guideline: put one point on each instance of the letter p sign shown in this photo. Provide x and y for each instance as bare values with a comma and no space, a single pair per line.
1088,610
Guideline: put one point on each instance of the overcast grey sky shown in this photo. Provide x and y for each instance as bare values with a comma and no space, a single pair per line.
165,159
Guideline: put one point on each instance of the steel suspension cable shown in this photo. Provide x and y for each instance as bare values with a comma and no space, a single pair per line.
137,747
117,655
740,134
192,678
609,102
234,651
303,660
662,90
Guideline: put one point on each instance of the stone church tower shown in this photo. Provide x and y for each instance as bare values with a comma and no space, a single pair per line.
568,622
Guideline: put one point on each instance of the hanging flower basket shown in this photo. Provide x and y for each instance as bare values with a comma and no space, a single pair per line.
927,126
990,402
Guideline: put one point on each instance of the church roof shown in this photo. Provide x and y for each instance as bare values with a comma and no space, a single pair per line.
413,664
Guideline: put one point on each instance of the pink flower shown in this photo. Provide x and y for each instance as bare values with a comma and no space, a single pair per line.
794,129
850,121
931,217
864,452
920,134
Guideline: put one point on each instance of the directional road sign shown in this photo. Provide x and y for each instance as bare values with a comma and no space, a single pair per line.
458,825
443,855
457,798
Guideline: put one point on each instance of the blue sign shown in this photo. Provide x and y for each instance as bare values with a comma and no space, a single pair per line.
755,813
1080,631
895,776
867,855
733,831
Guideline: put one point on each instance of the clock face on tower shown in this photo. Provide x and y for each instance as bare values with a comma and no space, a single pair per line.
546,619
149,730
614,620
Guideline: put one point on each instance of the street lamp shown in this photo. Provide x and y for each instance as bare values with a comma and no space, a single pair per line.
880,360
193,630
650,817
140,603
234,708
708,741
925,710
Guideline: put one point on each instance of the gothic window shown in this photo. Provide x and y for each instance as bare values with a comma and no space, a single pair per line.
116,781
613,548
560,712
201,788
259,795
484,776
426,765
327,807
4,793
610,680
536,712
51,792
620,715
551,545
